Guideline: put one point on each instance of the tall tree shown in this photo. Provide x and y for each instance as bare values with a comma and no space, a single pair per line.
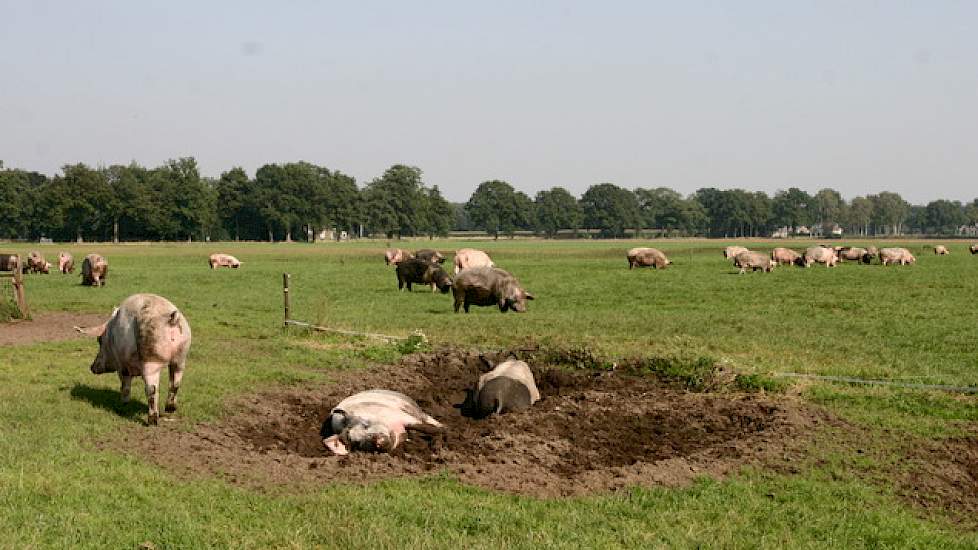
495,208
861,215
945,217
610,209
889,212
556,209
791,208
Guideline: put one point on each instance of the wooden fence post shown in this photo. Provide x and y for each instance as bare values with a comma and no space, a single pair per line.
285,295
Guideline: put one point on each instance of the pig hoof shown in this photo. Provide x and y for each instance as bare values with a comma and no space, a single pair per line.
153,420
170,407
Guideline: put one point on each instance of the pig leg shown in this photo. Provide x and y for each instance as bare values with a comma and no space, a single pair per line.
126,383
151,376
176,375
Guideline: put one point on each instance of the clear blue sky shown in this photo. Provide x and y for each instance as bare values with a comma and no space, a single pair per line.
859,96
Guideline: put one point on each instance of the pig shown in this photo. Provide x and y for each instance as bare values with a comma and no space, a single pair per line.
145,334
487,286
820,254
470,257
973,248
900,256
396,256
36,263
645,257
94,270
731,251
871,252
785,256
419,271
9,262
941,250
223,260
508,387
66,263
374,421
430,255
754,261
852,253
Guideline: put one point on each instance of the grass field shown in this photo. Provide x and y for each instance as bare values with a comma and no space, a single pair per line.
60,487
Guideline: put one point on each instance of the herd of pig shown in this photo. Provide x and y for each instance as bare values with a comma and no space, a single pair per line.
147,333
477,280
93,272
827,255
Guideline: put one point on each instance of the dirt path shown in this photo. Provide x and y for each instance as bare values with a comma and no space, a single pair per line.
47,327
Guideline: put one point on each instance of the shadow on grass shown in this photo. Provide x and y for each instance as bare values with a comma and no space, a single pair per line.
109,400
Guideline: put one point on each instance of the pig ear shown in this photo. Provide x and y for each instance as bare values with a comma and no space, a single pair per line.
334,444
528,295
95,331
174,319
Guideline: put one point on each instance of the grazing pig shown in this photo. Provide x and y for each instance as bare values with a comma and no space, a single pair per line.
852,253
223,260
36,263
145,334
94,270
66,263
396,256
973,248
487,286
941,250
508,387
470,257
732,251
419,271
645,257
785,256
822,255
754,261
375,421
430,255
9,262
871,252
900,256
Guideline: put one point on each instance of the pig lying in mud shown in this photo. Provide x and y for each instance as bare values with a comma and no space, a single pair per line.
418,271
508,387
489,286
374,421
145,334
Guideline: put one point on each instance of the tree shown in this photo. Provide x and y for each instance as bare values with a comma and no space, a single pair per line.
495,207
861,215
826,206
17,202
439,214
889,212
556,209
234,190
945,217
610,209
396,202
791,208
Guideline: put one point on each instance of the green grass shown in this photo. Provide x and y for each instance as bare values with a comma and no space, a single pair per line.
59,489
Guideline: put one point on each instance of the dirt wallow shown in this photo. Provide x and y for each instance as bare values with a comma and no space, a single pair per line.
593,431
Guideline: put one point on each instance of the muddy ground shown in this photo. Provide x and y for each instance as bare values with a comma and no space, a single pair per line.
592,432
47,327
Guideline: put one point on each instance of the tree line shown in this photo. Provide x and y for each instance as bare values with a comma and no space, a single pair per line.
294,201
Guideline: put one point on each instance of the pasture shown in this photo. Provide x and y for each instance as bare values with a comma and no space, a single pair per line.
870,467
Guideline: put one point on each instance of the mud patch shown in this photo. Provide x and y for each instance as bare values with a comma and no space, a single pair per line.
943,476
47,327
593,431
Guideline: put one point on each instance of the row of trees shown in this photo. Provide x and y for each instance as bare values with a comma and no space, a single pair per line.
296,200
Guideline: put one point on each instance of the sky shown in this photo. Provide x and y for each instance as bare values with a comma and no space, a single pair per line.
855,95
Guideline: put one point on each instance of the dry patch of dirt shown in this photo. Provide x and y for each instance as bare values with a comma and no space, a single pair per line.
47,327
593,431
943,476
